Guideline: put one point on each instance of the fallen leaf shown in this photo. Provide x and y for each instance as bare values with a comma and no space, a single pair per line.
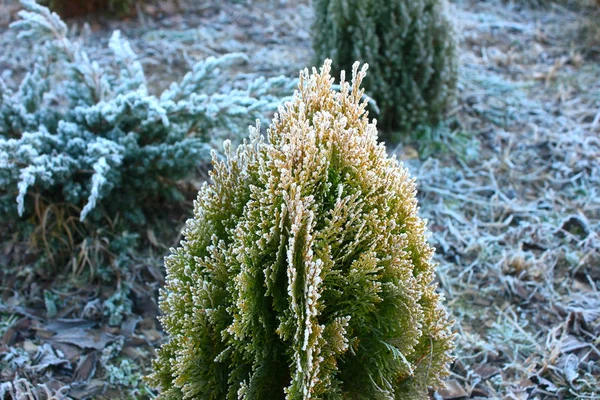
90,390
71,352
152,238
453,390
571,343
86,368
479,392
59,325
85,339
134,353
29,346
128,326
486,371
151,334
47,357
9,337
93,310
570,369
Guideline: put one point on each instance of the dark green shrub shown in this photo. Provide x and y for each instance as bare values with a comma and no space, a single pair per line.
305,272
410,48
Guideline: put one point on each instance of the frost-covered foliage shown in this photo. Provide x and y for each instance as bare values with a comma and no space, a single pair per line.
410,47
21,388
305,272
79,133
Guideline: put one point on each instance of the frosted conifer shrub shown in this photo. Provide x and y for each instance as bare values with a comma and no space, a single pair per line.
410,48
90,135
305,272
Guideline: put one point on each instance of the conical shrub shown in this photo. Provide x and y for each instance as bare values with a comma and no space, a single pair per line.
411,50
305,272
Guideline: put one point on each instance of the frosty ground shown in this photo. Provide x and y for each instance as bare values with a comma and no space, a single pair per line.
510,188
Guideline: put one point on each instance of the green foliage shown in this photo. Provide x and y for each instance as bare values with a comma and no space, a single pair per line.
409,46
50,300
117,307
84,140
123,376
126,377
305,271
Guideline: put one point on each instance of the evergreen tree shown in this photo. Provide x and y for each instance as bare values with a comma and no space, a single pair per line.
410,48
305,272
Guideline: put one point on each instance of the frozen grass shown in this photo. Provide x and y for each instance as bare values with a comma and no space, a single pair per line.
516,229
22,389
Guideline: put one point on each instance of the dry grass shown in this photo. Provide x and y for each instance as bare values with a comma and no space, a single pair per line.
516,227
22,389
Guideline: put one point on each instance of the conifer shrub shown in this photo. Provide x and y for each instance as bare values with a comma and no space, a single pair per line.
305,272
87,137
411,50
